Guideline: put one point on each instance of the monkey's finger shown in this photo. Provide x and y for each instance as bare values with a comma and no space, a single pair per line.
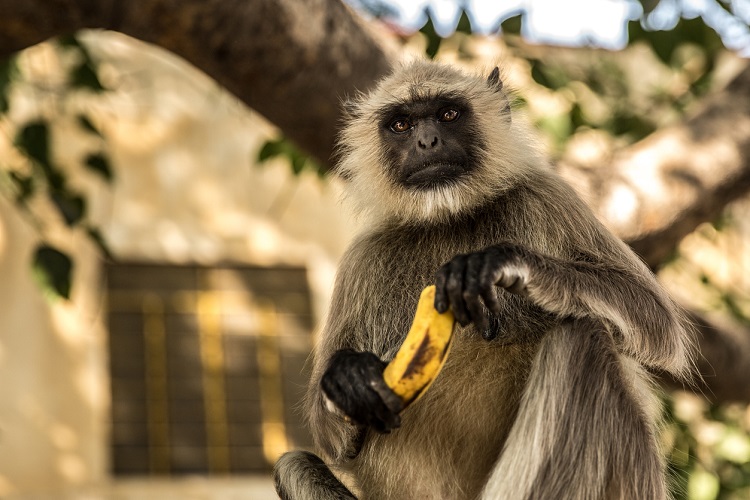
441,294
507,278
382,404
356,400
514,279
488,277
518,286
471,292
386,419
336,394
378,385
374,412
455,289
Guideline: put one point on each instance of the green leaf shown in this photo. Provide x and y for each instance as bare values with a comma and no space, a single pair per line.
298,163
98,239
664,43
69,41
512,25
86,125
577,117
464,23
298,159
624,122
99,163
84,76
71,206
648,5
548,76
433,39
7,73
271,149
53,269
24,186
33,140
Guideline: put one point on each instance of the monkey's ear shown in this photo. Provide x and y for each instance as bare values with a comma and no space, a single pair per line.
494,81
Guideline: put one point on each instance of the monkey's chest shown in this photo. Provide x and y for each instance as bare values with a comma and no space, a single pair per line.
451,437
397,268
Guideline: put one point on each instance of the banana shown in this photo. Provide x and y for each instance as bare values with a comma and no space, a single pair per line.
424,351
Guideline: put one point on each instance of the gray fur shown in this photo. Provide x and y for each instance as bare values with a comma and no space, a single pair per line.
299,473
560,404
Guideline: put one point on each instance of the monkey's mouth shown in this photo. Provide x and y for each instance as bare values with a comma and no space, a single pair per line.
433,175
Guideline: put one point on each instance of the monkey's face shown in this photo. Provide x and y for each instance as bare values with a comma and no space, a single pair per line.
429,143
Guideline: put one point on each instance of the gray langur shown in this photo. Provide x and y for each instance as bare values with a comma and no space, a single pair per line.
546,393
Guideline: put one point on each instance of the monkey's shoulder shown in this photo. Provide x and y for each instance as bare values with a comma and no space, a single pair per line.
543,214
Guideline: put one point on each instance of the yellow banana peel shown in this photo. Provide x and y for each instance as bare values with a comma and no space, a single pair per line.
424,351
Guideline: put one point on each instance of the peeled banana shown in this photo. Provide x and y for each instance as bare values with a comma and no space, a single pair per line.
424,351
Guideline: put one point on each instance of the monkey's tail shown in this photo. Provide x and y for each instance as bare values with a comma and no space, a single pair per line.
301,475
586,427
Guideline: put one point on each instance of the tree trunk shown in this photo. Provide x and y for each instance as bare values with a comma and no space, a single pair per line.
293,61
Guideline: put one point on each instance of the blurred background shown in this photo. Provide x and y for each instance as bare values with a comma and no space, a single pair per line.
167,252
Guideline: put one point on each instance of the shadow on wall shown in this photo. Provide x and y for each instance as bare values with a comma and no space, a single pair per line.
53,393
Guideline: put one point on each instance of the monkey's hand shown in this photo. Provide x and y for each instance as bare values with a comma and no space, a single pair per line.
354,386
470,279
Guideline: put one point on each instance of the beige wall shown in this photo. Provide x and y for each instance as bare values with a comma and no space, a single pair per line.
53,393
186,190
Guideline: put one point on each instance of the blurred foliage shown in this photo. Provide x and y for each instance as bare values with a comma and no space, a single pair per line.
43,177
434,40
53,270
603,93
710,457
666,43
710,448
284,148
599,93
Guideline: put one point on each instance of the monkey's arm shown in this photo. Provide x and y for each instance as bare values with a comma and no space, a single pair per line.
623,295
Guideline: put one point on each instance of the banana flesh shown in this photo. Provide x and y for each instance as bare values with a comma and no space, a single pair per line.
424,351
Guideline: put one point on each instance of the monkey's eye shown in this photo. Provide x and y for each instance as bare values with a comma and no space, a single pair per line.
449,115
401,125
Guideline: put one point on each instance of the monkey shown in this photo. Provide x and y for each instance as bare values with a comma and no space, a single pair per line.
548,390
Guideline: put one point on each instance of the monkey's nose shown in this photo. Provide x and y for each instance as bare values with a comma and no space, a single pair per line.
427,142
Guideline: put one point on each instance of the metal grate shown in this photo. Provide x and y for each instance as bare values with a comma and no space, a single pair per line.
207,366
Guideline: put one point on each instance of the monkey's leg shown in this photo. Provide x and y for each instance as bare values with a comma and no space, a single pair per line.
300,475
586,425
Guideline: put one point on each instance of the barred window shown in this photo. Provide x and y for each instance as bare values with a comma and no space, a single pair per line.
208,365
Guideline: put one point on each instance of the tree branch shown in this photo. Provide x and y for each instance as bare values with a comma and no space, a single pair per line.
660,189
289,60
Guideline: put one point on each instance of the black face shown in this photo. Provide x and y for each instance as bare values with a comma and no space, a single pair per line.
430,143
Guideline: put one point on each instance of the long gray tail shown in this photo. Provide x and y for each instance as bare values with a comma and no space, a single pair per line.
586,426
301,475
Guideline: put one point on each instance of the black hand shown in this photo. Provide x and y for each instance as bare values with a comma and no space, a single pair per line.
466,279
354,383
